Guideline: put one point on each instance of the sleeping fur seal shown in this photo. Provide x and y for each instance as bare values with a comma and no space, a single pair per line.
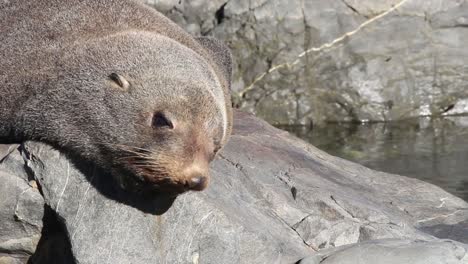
117,84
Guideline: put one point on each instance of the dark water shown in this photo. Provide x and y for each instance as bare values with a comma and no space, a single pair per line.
433,150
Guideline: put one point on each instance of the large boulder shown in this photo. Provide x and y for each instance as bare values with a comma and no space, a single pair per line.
405,63
21,208
273,199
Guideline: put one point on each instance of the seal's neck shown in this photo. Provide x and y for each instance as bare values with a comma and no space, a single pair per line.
12,103
6,116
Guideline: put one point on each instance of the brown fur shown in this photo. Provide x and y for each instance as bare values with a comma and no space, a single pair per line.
89,77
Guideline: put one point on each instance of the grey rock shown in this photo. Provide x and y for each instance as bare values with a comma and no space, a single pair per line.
408,63
11,260
22,208
273,199
394,252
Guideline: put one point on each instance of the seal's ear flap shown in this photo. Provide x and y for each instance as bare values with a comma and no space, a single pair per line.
221,55
121,82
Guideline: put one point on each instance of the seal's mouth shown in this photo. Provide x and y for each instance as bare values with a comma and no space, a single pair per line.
147,174
138,184
141,170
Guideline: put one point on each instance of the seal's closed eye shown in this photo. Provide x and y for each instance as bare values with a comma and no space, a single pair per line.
120,81
161,121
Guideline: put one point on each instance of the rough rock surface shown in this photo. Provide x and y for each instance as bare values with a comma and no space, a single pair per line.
272,199
21,208
408,63
393,252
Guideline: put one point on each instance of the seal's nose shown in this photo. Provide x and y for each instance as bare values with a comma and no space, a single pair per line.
197,173
198,183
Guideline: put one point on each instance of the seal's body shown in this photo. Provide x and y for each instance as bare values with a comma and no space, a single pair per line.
115,83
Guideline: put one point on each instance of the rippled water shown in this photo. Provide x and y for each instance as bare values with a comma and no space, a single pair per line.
434,150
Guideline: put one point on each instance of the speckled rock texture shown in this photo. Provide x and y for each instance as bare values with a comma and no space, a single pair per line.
21,208
405,63
272,199
390,251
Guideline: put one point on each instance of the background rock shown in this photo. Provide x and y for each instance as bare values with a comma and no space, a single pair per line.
272,199
411,62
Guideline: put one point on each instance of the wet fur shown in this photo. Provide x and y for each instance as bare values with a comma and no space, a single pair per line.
57,57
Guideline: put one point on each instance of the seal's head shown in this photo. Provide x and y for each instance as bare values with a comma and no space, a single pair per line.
151,110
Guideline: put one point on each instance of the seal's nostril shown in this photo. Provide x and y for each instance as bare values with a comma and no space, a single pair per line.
198,183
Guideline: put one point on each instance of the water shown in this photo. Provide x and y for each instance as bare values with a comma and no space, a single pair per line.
433,150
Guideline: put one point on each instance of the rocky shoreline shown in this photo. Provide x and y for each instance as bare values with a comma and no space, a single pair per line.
273,199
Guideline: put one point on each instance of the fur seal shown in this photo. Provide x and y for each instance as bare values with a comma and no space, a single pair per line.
117,84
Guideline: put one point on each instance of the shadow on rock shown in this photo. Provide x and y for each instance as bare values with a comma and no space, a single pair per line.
54,246
52,176
456,231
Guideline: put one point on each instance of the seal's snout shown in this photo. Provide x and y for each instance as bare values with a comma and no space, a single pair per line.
195,173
